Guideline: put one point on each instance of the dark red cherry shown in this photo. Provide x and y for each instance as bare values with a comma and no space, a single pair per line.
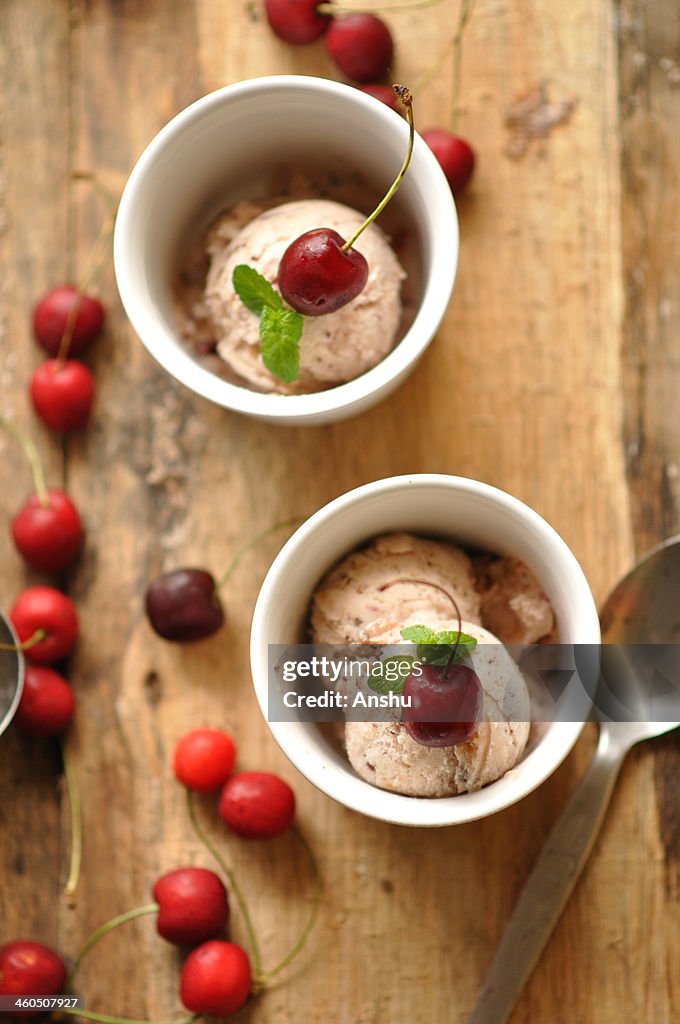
183,605
455,155
316,276
446,705
361,45
296,21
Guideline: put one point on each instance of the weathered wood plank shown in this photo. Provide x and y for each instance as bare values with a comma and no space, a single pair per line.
34,256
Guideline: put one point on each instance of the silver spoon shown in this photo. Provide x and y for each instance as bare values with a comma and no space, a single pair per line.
643,608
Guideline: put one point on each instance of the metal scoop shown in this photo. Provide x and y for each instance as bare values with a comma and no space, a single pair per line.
643,609
11,675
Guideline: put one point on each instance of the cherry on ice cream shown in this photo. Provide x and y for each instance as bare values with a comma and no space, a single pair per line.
452,696
320,272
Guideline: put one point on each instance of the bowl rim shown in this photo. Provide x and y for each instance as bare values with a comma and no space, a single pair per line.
352,791
180,364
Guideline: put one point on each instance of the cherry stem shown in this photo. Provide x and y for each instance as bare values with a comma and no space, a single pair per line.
231,878
245,548
455,43
26,645
442,590
463,18
93,267
34,460
76,813
418,5
99,933
406,98
311,920
104,1018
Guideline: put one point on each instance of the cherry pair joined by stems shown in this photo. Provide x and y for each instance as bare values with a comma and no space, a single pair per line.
184,605
320,272
192,908
66,321
445,700
254,805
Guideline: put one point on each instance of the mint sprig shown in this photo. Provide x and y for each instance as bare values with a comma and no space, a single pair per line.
280,328
444,648
382,672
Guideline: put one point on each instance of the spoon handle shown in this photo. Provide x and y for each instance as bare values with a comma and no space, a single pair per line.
548,887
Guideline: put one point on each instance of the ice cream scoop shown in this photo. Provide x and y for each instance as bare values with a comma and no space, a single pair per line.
333,348
350,607
384,754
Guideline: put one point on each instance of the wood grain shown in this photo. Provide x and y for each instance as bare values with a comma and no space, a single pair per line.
525,387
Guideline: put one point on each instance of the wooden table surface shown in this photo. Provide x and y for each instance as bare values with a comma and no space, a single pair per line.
555,376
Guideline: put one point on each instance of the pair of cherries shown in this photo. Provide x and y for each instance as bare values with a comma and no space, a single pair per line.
65,323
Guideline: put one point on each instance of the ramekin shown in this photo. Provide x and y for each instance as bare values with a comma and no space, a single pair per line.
463,510
219,150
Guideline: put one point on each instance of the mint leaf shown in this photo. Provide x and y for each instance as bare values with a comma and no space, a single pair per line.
280,331
437,648
419,634
254,290
382,678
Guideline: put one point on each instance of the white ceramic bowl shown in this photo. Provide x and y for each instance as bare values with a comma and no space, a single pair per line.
220,149
467,511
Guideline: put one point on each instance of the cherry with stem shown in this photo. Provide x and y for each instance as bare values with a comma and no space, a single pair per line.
320,272
47,529
184,605
445,702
